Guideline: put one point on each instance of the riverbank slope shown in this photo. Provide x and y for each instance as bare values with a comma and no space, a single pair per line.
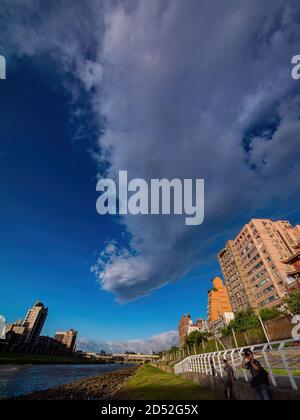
135,383
151,383
100,387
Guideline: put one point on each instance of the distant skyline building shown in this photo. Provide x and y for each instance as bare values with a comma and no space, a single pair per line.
68,338
2,328
255,264
25,336
34,322
16,328
218,301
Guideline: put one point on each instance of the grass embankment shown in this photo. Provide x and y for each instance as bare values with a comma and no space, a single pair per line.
150,383
283,372
23,359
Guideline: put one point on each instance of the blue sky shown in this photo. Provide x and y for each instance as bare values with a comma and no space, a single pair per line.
159,90
50,230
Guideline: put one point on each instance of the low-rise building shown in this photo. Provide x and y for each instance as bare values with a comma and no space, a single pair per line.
293,273
187,326
222,322
68,338
16,328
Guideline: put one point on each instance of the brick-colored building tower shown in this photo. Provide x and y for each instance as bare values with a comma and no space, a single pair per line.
183,329
218,301
186,327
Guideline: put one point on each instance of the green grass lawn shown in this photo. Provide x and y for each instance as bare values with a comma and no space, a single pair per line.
283,372
150,383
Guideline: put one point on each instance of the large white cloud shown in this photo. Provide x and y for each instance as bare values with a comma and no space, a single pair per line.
183,86
200,89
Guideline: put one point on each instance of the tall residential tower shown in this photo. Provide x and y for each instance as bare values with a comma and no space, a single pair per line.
254,264
34,322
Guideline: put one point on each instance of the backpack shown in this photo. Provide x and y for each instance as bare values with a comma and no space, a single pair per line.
262,378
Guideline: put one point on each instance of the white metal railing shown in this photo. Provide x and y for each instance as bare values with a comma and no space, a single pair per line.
280,358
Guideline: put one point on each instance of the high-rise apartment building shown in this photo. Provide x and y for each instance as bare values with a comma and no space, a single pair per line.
34,322
68,338
235,278
218,301
253,265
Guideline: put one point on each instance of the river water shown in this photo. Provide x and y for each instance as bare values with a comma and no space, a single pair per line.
17,380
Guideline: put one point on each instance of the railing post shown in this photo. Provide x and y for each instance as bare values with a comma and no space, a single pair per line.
241,352
198,363
287,367
233,364
265,354
202,363
206,363
220,364
209,362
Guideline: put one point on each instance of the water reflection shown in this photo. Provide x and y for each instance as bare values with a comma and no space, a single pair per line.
21,379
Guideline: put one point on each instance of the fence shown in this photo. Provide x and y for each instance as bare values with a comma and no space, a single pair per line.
281,359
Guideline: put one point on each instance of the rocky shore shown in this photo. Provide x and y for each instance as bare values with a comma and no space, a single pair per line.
101,387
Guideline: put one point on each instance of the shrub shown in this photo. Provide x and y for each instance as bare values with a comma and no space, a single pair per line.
268,314
293,303
244,320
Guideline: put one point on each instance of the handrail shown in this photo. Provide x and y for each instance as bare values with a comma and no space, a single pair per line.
211,363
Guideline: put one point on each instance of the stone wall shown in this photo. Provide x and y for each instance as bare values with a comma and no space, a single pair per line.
242,390
280,329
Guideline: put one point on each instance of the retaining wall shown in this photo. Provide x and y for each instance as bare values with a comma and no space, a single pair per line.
242,390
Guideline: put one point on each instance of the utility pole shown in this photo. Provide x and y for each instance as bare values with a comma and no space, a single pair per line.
216,343
264,330
235,340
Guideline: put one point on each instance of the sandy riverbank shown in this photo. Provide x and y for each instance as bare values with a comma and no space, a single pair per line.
101,387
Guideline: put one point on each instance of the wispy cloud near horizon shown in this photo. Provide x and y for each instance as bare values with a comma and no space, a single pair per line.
154,344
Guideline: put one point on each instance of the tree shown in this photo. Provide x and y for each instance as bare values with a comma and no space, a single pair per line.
269,313
244,320
196,338
226,331
174,349
293,303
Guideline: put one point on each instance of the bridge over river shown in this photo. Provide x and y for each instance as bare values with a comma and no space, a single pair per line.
110,358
